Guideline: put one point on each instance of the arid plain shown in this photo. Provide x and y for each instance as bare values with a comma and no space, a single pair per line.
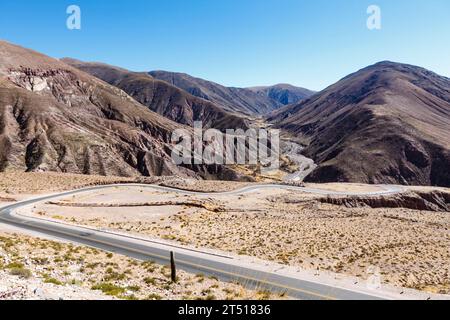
34,266
406,237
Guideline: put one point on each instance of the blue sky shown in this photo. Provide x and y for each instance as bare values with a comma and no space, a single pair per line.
237,42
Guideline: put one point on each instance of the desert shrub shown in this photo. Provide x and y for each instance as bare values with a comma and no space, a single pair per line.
154,296
21,272
109,289
53,281
134,288
15,265
151,281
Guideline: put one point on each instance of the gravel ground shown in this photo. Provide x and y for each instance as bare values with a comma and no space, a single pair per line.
410,248
33,268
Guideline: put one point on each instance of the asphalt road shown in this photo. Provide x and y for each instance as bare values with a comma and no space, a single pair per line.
223,267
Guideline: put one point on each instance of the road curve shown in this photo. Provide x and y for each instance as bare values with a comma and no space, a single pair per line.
224,267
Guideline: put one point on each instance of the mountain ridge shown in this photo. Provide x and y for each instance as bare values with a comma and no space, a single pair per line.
284,93
161,97
54,117
232,99
386,123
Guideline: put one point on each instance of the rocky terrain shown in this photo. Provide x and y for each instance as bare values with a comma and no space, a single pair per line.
163,98
39,269
438,201
387,123
15,287
284,93
54,117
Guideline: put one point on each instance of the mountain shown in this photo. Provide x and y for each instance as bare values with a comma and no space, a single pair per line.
54,117
239,100
162,97
387,123
283,93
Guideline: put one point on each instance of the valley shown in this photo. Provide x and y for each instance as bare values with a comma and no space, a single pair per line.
86,168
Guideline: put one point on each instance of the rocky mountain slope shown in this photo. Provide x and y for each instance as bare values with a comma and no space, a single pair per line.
54,117
387,123
239,100
284,93
162,97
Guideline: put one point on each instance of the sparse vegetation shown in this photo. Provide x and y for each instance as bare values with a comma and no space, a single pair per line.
53,281
109,289
119,277
299,230
20,272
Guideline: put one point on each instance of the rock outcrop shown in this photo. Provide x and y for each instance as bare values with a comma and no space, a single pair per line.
427,201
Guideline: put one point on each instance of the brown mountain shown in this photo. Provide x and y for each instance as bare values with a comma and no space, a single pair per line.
54,117
387,123
239,100
162,97
284,93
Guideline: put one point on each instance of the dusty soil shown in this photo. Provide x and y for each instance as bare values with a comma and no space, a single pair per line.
345,187
411,248
202,186
20,183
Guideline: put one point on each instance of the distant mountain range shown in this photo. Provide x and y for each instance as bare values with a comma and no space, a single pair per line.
249,101
186,99
284,93
387,123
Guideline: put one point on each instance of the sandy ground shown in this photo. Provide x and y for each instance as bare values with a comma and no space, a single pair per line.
33,268
19,183
16,183
345,187
408,248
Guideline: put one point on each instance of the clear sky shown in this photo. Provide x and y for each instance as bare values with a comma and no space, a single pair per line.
309,43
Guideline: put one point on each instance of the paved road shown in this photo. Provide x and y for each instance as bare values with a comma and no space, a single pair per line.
196,261
305,165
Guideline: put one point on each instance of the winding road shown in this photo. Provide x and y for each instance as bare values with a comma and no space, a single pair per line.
224,267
